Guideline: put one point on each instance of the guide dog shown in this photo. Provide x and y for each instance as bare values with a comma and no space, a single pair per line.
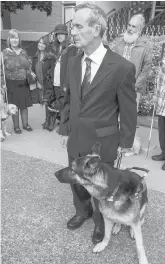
5,112
122,195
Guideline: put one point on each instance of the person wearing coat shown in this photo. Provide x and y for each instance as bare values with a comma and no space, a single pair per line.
43,65
136,50
62,52
92,106
160,111
16,65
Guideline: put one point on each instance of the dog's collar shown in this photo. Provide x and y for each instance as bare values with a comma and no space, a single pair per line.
111,198
3,119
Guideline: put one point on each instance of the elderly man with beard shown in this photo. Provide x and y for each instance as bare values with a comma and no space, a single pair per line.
137,51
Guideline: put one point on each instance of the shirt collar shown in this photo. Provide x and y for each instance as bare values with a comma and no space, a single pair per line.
97,56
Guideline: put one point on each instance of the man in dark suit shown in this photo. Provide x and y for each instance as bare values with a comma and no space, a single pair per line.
101,85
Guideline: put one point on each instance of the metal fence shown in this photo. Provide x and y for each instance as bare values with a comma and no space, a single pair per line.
118,21
156,26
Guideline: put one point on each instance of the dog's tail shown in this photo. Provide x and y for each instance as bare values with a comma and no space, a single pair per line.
141,169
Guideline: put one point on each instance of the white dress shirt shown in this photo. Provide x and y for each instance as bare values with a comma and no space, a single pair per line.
57,73
97,57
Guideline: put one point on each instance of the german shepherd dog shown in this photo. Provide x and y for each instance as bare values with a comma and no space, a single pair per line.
122,195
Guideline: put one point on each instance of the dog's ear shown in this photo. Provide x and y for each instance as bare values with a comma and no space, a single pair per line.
94,162
96,148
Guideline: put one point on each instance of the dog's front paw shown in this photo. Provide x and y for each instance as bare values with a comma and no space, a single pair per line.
100,247
116,228
2,138
132,234
7,134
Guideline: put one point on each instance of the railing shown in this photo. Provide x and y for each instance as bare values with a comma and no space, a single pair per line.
156,26
118,21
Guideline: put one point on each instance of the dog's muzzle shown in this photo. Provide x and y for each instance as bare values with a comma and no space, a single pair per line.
65,175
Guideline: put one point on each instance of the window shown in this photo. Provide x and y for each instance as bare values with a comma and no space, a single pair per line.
68,10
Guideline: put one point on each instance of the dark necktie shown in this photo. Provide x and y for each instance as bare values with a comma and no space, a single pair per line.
87,77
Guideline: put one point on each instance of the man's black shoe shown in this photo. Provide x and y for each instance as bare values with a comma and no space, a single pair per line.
159,157
163,167
76,221
98,235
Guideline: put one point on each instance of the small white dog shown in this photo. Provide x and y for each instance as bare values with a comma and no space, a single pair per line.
5,112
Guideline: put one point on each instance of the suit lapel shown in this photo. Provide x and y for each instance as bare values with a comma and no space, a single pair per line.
78,73
102,72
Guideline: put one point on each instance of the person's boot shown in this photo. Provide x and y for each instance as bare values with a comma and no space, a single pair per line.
163,167
52,122
98,234
47,121
77,220
17,129
46,124
160,157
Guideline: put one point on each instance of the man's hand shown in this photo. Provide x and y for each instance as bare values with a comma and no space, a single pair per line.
33,75
155,98
39,86
64,140
123,150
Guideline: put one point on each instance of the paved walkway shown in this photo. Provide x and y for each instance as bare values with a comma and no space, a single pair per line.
46,145
36,207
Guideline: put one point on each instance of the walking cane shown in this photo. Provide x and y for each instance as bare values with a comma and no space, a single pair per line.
150,135
3,70
152,121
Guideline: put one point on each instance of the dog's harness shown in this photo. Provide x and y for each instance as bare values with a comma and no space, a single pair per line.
137,194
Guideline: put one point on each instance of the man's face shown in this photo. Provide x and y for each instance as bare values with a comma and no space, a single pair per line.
83,35
134,26
133,30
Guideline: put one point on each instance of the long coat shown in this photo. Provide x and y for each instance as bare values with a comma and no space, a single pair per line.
47,70
160,106
94,118
141,57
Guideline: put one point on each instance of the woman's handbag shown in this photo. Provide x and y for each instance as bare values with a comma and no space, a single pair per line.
30,77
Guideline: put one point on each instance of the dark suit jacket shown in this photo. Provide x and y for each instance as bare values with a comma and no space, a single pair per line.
94,118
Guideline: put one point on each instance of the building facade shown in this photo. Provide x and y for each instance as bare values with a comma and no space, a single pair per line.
34,24
37,23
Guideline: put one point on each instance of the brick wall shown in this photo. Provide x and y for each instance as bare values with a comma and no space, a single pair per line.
36,21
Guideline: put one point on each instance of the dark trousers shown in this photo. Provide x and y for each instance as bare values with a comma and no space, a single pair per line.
58,91
24,118
82,200
161,127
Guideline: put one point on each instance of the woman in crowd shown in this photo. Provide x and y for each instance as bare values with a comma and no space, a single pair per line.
159,99
16,65
62,52
43,65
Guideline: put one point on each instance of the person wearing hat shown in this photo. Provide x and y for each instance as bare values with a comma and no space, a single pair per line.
62,50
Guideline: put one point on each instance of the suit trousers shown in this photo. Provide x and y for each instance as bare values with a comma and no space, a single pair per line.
82,200
161,127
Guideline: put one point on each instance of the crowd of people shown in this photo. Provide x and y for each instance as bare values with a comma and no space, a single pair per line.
97,86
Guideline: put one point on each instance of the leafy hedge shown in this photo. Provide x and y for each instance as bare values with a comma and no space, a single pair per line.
146,102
